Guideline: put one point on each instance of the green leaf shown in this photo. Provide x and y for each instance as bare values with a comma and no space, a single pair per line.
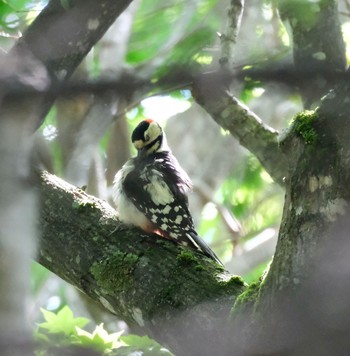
154,25
192,45
40,337
99,339
17,5
5,10
62,322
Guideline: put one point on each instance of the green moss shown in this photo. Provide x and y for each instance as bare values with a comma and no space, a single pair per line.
75,205
199,268
113,272
216,285
234,285
186,257
247,299
169,296
236,280
303,124
83,204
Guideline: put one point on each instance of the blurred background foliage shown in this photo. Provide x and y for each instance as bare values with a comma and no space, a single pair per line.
85,137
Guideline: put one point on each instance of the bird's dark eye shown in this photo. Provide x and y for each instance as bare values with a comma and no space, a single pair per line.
146,138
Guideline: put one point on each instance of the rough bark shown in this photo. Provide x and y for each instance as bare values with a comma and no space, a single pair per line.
316,148
304,289
316,152
180,297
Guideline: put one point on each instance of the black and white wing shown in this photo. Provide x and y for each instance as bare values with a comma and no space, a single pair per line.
160,196
158,189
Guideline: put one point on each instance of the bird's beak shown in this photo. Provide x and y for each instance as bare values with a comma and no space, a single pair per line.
141,152
139,145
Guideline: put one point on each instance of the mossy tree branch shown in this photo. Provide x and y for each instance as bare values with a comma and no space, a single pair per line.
317,193
179,296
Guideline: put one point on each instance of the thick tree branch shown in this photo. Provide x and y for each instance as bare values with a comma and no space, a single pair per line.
315,221
243,124
61,37
317,192
179,296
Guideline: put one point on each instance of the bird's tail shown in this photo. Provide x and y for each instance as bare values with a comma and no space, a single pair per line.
202,246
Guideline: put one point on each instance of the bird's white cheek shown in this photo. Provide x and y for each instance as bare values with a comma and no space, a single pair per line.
138,144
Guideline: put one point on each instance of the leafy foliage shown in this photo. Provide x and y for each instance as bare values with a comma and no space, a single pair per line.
249,199
16,14
62,322
62,329
169,15
252,197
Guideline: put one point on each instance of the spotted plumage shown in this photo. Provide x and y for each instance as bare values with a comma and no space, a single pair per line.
150,190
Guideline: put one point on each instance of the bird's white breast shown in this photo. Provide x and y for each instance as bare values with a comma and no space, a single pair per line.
127,211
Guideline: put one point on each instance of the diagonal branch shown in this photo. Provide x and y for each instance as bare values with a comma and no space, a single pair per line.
260,139
61,37
144,279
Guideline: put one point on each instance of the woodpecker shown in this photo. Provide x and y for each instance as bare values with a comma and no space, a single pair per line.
150,190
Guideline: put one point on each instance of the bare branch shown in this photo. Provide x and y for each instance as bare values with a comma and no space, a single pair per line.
243,124
228,40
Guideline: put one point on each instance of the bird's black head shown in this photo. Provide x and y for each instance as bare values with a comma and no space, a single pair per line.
148,137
